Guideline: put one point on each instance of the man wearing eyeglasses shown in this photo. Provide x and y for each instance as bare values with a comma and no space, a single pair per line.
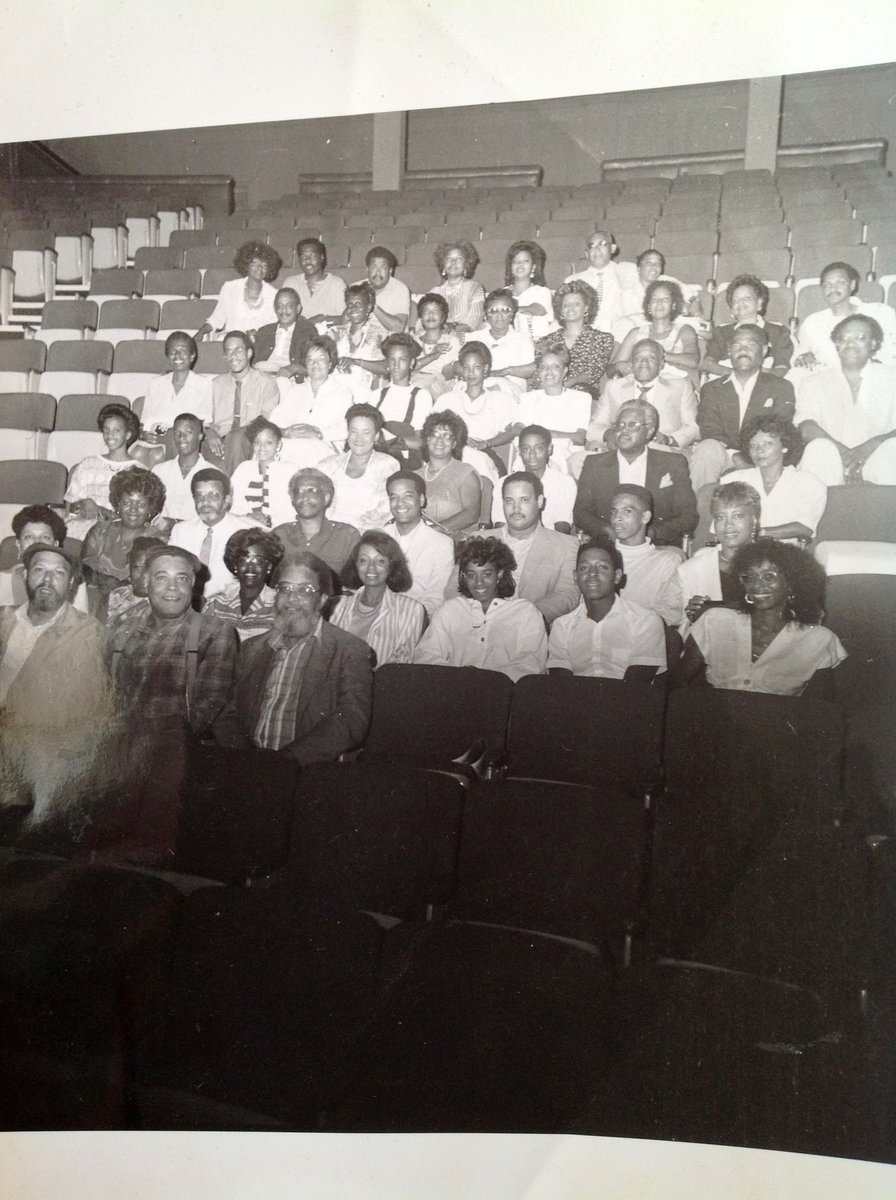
304,689
311,493
635,461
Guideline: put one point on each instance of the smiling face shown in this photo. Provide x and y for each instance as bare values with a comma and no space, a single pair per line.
734,524
650,267
372,566
379,272
115,433
257,270
253,567
287,308
357,309
633,429
133,509
311,261
660,307
551,373
647,361
573,307
595,574
482,582
454,265
405,503
187,436
855,344
836,287
441,442
179,354
237,354
744,304
169,587
521,265
211,500
629,518
317,364
265,445
765,587
522,508
746,351
47,582
599,249
400,362
361,435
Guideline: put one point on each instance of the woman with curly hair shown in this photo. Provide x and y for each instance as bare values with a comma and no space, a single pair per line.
375,610
453,487
136,497
251,556
524,274
360,472
312,417
456,262
575,305
663,308
486,625
87,495
439,347
246,303
179,390
747,297
773,641
792,501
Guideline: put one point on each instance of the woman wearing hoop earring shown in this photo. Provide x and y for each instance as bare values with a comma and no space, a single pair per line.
773,641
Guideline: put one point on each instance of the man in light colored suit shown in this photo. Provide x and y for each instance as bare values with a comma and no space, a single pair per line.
673,398
206,534
545,559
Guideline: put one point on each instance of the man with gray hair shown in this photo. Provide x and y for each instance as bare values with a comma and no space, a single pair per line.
311,493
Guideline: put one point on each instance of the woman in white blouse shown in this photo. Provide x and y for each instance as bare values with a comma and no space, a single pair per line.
178,391
246,303
486,626
260,487
312,416
524,275
360,472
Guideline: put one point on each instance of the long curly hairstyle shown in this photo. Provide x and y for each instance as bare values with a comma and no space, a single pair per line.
145,483
399,577
804,575
467,249
483,552
268,255
535,252
581,288
449,420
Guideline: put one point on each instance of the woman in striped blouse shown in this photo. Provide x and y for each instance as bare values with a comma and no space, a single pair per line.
261,485
375,610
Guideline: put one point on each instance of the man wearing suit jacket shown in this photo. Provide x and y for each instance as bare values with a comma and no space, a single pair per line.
279,347
306,688
672,397
664,475
725,404
545,559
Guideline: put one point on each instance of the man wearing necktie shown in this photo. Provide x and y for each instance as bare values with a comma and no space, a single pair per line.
238,397
673,398
206,534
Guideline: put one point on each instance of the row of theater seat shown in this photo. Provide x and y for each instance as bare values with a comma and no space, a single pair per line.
429,956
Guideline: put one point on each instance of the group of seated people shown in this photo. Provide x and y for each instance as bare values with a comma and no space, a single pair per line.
253,546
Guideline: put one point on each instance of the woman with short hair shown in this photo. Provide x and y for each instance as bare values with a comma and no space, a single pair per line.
456,262
360,472
251,556
575,306
87,495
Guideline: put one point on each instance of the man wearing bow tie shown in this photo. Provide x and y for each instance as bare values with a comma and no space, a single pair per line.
726,404
634,461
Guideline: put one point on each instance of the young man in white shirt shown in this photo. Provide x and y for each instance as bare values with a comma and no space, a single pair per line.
651,574
430,554
177,473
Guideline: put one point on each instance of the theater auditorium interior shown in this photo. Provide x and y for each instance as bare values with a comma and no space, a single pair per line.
551,905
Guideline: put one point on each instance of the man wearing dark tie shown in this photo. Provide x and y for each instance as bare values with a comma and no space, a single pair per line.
672,397
238,397
206,534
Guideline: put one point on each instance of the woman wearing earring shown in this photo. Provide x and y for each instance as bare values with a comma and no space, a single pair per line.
575,304
707,579
376,610
524,275
665,325
439,347
792,501
773,641
261,486
456,262
453,488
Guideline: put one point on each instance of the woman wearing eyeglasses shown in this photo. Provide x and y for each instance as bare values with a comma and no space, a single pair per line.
773,641
513,354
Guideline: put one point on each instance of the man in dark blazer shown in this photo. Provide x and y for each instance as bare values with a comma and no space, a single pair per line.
664,474
305,689
289,363
726,404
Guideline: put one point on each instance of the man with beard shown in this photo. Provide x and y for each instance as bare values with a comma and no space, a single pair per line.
55,698
304,689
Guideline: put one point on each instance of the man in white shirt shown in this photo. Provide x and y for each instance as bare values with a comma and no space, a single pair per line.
674,399
608,278
430,554
177,473
206,534
605,635
393,299
651,574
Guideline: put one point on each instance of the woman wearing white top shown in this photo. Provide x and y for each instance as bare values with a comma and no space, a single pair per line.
180,390
524,275
512,353
490,415
358,341
663,308
707,579
486,626
792,501
439,347
565,412
313,416
359,474
260,487
246,303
